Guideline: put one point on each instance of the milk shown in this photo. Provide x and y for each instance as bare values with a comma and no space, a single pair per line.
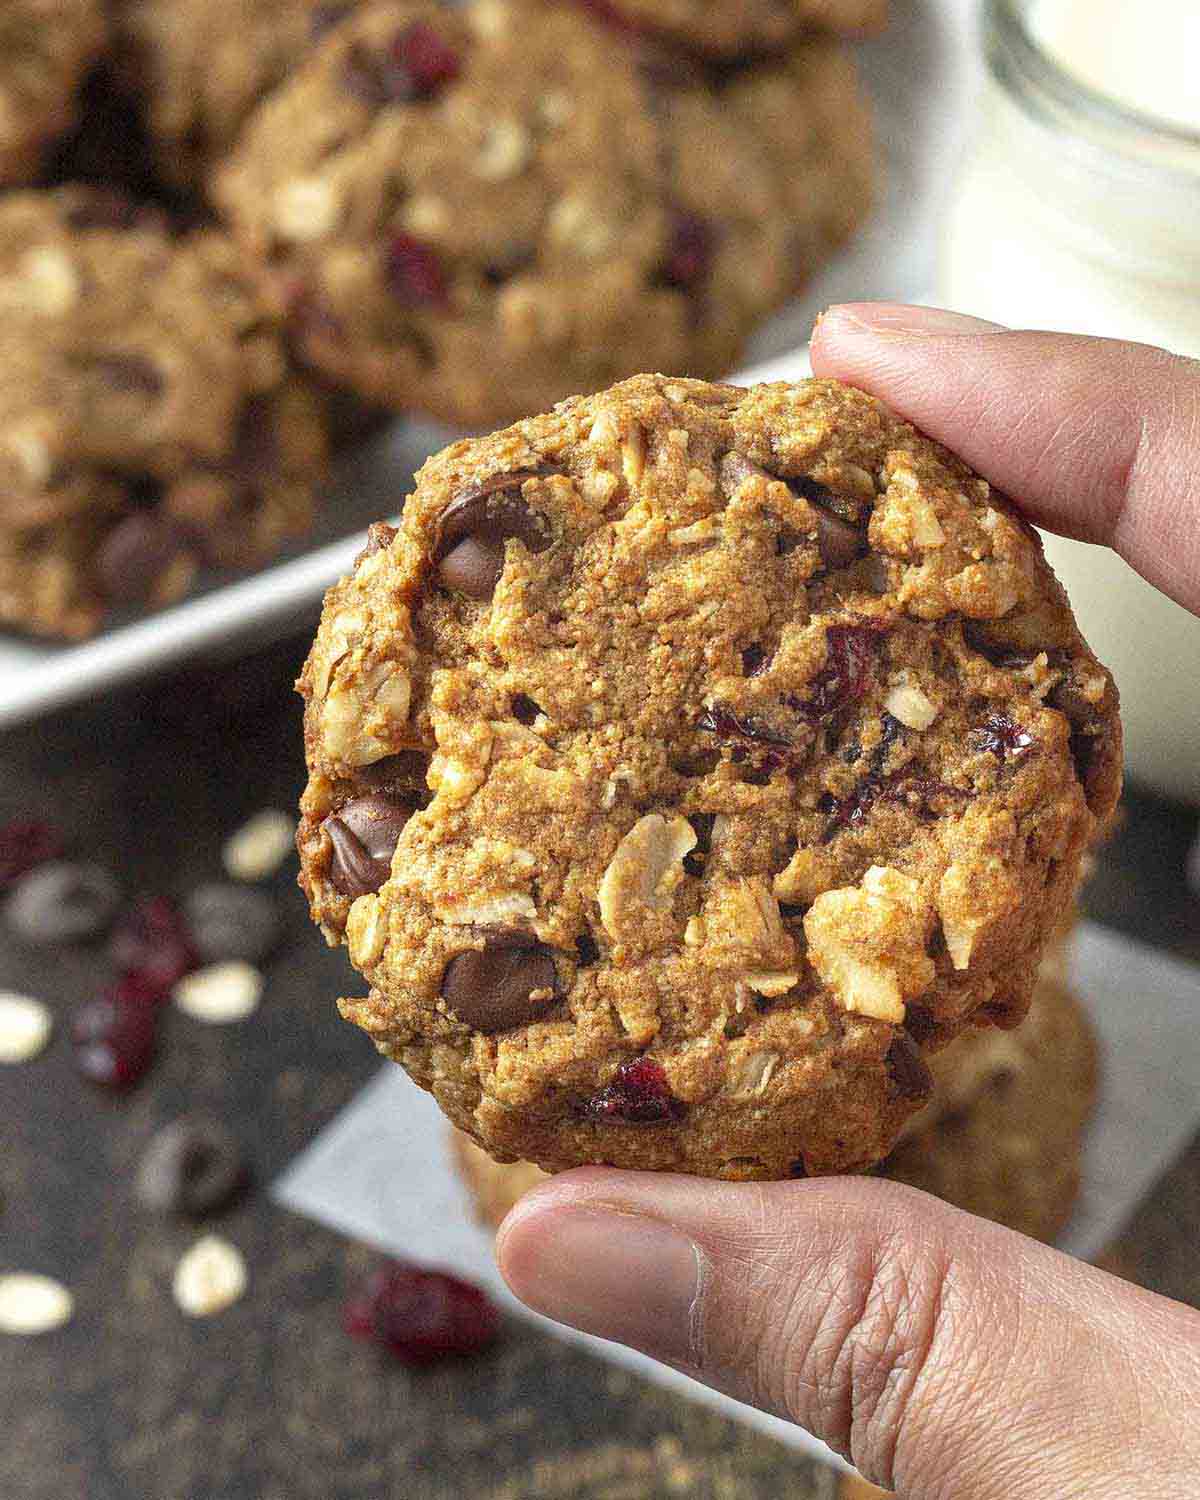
1065,219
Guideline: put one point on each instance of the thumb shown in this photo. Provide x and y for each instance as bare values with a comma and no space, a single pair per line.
946,1357
1092,437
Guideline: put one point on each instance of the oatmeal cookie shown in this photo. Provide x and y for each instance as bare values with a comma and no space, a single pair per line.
689,761
731,29
46,48
148,421
200,67
1001,1138
481,210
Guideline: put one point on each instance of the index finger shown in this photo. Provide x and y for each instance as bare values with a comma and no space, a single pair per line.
1093,438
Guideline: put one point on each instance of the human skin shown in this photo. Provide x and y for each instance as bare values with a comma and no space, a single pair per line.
948,1358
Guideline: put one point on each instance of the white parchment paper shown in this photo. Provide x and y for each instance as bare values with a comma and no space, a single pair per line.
382,1171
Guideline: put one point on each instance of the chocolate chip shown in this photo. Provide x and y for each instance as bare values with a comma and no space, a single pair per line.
402,777
689,254
910,1077
508,983
414,273
231,921
63,902
136,554
919,1023
524,709
193,1166
754,659
702,826
474,528
364,833
587,950
838,542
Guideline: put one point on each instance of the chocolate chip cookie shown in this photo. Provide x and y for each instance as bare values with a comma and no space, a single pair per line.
1001,1137
689,762
739,28
46,48
200,66
476,211
148,420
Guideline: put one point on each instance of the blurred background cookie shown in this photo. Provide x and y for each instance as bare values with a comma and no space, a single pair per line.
46,48
478,211
148,420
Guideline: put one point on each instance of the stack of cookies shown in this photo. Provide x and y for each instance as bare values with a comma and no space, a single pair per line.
470,211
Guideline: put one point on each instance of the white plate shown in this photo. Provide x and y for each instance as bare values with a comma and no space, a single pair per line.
919,79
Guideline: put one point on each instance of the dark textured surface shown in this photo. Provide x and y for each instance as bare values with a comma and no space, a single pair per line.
270,1400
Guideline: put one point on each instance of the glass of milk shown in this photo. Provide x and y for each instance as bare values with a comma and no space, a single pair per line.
1078,208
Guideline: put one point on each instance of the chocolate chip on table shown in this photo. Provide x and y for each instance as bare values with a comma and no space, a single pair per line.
138,554
62,902
363,834
474,528
509,982
26,843
231,921
193,1166
910,1076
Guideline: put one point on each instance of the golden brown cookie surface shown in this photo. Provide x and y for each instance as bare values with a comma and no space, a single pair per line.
690,760
477,211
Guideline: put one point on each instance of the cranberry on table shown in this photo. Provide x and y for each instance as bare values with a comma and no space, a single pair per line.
114,1039
420,1316
152,942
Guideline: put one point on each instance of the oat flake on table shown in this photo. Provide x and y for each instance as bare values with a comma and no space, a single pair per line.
209,1278
32,1304
221,993
260,846
25,1027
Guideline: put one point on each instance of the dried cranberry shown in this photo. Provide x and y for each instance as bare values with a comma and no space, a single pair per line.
114,1039
689,251
415,273
638,1095
849,657
428,59
768,746
420,1316
1001,736
415,68
26,843
152,944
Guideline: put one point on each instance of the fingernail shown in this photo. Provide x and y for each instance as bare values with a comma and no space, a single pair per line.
618,1275
909,322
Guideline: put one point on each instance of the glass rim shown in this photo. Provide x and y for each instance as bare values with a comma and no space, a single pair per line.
1008,23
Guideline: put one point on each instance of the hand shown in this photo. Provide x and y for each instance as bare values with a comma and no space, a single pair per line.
950,1359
